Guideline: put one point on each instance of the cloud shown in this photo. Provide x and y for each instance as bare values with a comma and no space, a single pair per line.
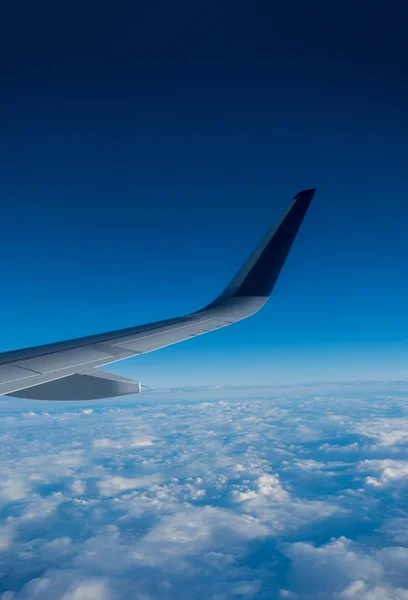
267,485
113,485
345,569
78,487
58,584
88,590
141,442
5,538
391,472
286,497
13,488
396,530
196,531
385,432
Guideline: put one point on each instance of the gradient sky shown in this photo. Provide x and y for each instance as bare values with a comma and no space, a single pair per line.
146,147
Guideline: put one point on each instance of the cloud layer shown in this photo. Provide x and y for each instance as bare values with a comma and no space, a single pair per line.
280,497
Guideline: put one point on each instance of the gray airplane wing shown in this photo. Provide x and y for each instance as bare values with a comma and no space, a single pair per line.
69,370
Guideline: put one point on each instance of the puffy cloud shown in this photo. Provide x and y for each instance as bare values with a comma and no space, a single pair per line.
267,485
385,432
141,442
88,590
359,590
78,487
396,530
5,538
114,485
195,531
13,488
391,472
58,584
216,499
345,569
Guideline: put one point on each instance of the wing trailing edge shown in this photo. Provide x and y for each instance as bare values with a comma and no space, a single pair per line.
89,386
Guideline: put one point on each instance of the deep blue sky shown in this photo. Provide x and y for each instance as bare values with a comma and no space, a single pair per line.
146,147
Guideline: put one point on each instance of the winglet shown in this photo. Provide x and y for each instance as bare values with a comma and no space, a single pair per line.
257,277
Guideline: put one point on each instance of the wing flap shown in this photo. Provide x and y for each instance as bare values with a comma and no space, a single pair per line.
90,386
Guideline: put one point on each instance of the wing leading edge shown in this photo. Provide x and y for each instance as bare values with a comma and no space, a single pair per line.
69,370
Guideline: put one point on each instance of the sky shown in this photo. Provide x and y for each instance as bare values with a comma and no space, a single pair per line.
147,147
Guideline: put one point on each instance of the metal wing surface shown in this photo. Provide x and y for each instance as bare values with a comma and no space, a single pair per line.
69,370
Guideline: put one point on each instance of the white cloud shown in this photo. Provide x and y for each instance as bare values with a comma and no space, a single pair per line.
148,500
266,485
133,442
246,588
396,530
194,532
113,485
88,590
390,471
62,585
384,432
5,537
345,569
13,488
359,590
141,443
78,487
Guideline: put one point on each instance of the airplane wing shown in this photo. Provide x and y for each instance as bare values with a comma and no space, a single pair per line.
69,370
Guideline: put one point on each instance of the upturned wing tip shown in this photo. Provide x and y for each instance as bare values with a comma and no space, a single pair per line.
306,194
